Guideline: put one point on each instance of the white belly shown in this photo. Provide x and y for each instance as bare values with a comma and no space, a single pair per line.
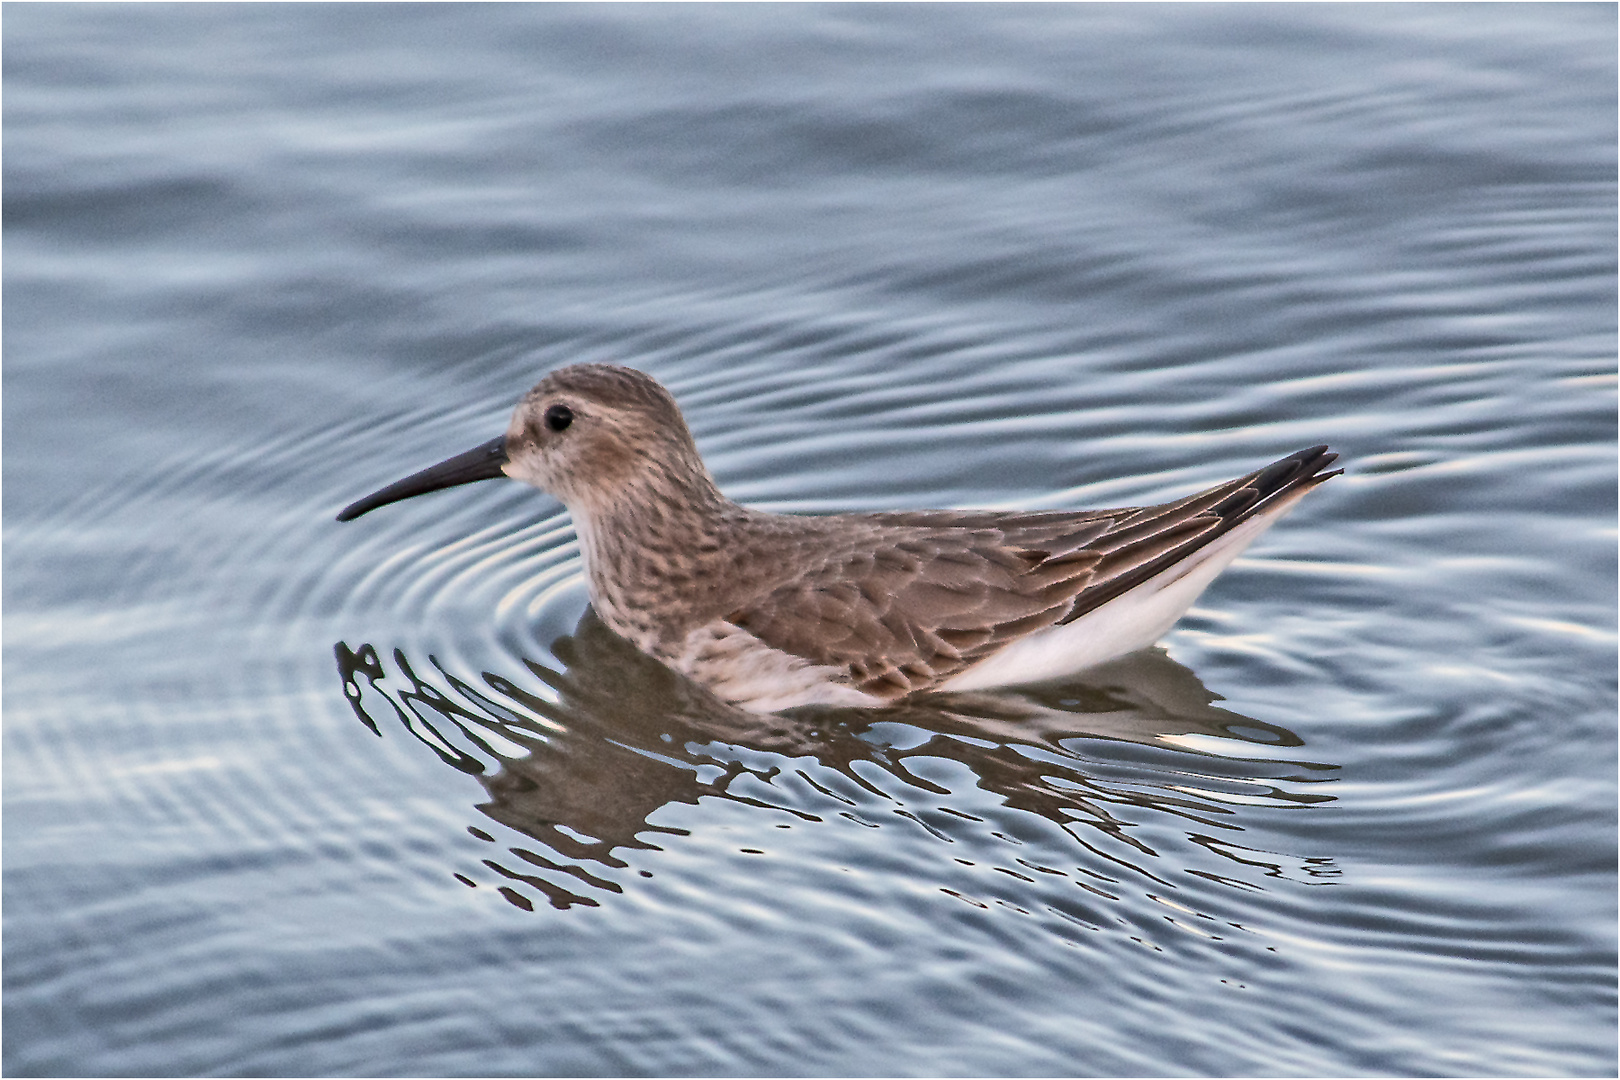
741,669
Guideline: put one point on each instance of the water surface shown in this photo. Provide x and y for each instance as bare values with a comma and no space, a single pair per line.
284,796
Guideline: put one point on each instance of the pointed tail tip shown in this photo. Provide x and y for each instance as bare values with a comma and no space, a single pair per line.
1324,458
1314,459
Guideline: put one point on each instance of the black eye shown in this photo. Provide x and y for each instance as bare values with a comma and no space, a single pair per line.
558,417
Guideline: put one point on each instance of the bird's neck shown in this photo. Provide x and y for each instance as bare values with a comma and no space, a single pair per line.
665,546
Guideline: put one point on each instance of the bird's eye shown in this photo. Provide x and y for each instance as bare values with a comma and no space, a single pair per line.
558,417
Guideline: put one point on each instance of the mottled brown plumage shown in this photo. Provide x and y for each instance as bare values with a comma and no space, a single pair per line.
773,610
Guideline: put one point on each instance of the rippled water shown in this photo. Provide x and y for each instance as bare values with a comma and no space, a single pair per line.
284,796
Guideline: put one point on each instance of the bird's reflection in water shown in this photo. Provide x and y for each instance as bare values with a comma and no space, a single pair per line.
583,773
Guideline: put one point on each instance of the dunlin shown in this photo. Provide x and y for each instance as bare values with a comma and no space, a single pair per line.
770,611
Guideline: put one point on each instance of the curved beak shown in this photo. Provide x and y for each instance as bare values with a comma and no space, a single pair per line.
480,463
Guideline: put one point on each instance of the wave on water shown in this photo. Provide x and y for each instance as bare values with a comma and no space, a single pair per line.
580,759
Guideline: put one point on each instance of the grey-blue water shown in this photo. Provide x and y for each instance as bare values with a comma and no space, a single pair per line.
284,796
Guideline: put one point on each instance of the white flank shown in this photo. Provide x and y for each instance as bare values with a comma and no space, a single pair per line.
1125,624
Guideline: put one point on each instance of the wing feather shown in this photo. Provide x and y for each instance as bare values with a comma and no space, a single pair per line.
903,601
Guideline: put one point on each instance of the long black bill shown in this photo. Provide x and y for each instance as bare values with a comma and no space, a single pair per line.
480,463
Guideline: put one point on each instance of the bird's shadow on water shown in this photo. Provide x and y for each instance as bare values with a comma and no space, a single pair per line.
581,758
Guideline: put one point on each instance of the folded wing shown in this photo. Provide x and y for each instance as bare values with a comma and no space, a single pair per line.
918,597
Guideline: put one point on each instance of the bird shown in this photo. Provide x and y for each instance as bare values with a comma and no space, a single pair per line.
774,611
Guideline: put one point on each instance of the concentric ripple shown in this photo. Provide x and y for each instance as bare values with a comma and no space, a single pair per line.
581,758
